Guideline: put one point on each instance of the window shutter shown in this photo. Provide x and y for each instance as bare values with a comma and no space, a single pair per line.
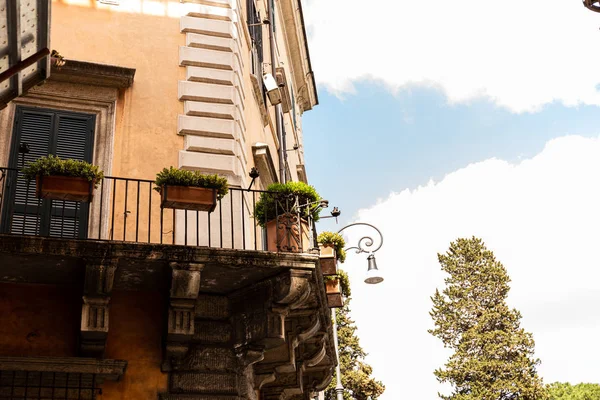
67,135
73,139
35,129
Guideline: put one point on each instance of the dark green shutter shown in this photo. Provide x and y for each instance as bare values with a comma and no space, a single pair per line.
65,134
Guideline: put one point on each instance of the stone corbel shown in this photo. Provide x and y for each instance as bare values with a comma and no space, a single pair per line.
293,289
286,386
260,311
185,285
98,284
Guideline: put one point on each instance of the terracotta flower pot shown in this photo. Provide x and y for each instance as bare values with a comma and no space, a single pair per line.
64,188
334,293
188,198
285,234
328,260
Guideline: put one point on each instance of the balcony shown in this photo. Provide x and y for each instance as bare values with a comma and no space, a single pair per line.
129,210
222,278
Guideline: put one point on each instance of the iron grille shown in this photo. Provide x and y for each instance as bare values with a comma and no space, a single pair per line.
29,385
129,210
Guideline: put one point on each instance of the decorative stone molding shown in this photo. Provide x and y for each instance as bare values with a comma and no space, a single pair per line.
264,162
98,284
87,73
185,285
282,317
103,369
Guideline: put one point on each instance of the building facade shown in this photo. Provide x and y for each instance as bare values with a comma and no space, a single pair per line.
120,298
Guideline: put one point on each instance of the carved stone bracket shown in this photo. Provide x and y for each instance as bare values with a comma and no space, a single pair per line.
286,318
185,285
98,284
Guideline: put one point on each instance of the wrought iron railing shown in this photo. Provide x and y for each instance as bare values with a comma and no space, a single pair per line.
129,210
19,385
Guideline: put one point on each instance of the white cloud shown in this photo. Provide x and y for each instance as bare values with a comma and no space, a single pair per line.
540,217
520,54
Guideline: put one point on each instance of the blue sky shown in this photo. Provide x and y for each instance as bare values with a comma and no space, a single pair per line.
454,119
382,142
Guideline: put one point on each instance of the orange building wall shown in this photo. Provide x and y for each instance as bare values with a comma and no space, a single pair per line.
146,137
39,320
135,327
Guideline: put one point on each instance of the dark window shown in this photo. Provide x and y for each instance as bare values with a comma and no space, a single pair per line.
272,6
43,132
24,385
293,108
255,28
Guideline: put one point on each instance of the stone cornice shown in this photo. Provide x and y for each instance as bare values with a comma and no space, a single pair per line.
295,34
103,369
46,246
94,74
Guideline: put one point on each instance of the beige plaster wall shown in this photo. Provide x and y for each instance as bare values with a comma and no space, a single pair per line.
146,114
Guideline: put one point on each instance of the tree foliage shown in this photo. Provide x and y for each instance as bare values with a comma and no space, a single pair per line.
493,355
356,374
566,391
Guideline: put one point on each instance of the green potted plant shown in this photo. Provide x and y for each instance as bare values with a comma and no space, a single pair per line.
332,246
284,218
337,287
190,190
63,179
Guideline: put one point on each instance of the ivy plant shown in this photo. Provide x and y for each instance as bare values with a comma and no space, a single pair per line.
280,198
53,165
181,177
334,240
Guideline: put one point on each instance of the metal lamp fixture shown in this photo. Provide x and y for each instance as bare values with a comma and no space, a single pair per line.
593,5
373,277
365,245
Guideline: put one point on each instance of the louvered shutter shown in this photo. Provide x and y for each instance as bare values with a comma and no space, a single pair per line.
73,139
35,129
68,135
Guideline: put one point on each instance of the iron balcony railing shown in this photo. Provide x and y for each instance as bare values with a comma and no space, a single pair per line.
129,210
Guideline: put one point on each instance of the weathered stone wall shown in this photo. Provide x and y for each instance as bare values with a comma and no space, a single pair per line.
39,320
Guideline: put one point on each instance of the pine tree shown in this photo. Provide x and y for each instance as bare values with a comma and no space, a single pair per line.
566,391
493,355
356,374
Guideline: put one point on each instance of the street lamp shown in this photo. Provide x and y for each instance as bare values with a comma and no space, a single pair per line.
593,5
364,245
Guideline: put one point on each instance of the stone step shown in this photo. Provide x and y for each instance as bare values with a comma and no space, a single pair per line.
212,27
212,332
209,145
204,41
231,166
210,11
214,110
216,77
208,127
203,383
215,3
201,57
209,93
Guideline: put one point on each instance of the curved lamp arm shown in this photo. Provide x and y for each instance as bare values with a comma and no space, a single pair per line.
366,242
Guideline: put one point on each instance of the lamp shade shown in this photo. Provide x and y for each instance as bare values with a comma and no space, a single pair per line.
373,274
